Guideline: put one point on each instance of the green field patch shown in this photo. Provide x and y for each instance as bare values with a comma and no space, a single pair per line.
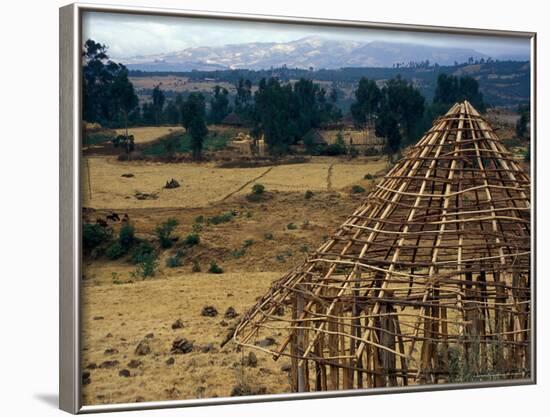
180,142
98,137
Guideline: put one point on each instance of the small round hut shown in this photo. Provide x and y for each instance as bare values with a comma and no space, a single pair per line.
427,282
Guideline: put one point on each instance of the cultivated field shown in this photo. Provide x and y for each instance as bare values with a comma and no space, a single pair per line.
176,84
258,242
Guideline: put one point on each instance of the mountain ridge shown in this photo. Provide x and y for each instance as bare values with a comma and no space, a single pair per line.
309,52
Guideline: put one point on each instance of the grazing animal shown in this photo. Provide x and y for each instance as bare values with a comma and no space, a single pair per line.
101,222
113,217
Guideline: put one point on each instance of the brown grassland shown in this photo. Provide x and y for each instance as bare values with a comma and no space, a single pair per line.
204,184
259,243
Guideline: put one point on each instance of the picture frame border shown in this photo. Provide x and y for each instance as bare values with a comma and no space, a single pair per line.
70,257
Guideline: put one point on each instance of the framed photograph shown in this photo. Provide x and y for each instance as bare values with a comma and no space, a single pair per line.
259,208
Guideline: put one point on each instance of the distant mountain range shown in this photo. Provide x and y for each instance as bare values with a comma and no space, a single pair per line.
313,51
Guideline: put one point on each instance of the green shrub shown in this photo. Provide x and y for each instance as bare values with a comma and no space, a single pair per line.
164,232
125,142
238,253
94,235
115,250
268,236
222,218
334,149
291,226
192,239
368,177
308,194
258,189
371,152
353,152
98,137
197,228
174,261
357,189
126,236
147,267
214,268
196,266
199,219
527,155
183,142
140,252
98,252
282,256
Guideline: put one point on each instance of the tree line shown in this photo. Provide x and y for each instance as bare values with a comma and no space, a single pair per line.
401,114
109,98
280,112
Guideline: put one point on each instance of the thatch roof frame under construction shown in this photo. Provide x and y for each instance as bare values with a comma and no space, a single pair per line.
428,281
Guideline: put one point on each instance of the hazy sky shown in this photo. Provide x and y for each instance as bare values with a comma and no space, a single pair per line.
129,35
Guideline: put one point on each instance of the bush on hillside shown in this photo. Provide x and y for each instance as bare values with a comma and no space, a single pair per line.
174,261
147,267
164,232
94,235
192,239
258,189
115,250
222,218
126,236
214,268
141,252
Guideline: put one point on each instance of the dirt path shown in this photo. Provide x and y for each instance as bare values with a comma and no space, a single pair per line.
246,184
329,177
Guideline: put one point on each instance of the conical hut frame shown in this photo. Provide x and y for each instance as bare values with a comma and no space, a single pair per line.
427,282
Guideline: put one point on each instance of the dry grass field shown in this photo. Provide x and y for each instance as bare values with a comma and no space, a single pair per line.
202,184
120,316
258,243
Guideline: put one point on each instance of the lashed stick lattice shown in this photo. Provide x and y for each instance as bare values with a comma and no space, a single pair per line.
428,281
